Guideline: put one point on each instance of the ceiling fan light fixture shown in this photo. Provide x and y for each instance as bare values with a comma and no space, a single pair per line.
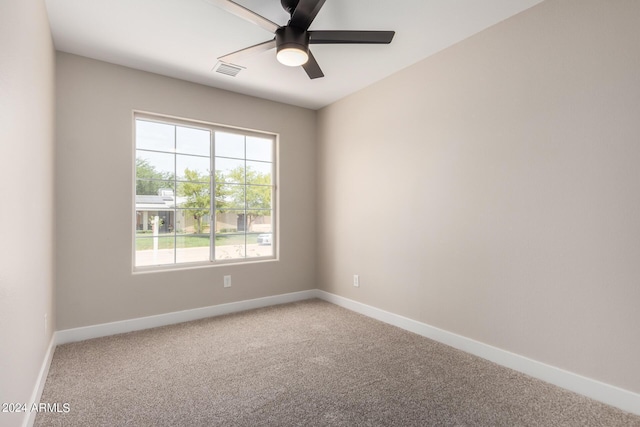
292,56
292,45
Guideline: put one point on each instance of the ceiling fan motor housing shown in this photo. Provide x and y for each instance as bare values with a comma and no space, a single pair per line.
292,38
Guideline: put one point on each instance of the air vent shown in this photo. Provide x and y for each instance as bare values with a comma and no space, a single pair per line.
227,69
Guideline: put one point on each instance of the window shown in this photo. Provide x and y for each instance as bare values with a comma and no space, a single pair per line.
179,165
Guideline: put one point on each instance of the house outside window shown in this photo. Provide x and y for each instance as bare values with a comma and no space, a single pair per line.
204,194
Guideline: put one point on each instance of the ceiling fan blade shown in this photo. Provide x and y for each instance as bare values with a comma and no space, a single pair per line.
246,14
351,37
248,51
305,12
312,68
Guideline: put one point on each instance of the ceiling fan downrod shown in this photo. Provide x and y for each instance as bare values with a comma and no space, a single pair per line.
289,5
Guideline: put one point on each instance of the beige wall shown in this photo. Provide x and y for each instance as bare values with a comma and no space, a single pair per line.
26,209
94,188
513,159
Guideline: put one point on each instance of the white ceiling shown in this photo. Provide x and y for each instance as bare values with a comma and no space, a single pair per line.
183,38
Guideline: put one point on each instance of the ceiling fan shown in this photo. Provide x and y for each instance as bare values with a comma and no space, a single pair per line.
292,40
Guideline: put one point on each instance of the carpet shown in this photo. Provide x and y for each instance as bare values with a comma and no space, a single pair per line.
309,363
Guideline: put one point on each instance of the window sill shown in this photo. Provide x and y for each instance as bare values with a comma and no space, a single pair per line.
200,265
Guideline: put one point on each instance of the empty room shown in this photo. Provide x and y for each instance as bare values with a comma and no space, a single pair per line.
320,212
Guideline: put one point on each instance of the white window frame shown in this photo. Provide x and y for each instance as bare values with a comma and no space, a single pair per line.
212,127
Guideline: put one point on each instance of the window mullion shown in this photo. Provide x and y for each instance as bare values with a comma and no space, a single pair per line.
175,193
246,214
212,197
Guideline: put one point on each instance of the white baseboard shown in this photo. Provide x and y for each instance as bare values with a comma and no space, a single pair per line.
30,417
606,393
106,329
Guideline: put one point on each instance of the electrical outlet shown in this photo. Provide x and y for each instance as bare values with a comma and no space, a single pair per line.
227,281
356,280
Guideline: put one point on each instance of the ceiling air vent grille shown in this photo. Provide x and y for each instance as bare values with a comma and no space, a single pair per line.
227,69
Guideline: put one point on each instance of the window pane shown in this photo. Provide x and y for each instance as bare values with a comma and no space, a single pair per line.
154,250
193,141
194,195
149,222
193,221
229,196
154,188
258,173
155,136
230,237
229,221
150,164
229,145
259,148
193,248
193,168
229,170
145,169
259,221
230,246
258,196
259,245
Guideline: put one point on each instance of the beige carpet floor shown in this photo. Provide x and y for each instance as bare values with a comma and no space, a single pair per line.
303,364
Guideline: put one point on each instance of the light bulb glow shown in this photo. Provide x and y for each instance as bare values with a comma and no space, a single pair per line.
292,57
